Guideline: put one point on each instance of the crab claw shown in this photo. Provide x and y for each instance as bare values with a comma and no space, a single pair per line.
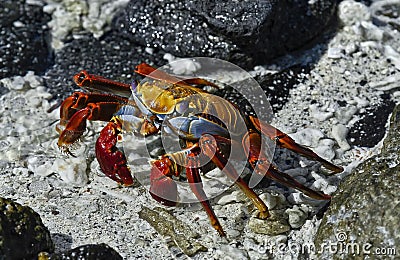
72,132
162,187
112,161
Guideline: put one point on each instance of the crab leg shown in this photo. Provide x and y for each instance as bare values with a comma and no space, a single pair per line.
194,179
97,83
285,141
260,164
162,187
209,147
149,71
79,100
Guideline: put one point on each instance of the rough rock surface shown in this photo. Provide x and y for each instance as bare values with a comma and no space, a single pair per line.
167,225
243,32
111,56
365,210
367,131
22,233
88,252
24,38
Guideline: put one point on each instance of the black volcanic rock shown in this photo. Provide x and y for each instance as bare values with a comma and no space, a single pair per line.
23,38
364,212
88,252
22,233
111,56
243,32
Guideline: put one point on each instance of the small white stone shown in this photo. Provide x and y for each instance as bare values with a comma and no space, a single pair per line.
296,198
361,102
169,57
297,217
184,66
226,199
34,81
335,53
308,137
18,24
325,149
320,185
393,55
351,12
229,252
330,189
345,114
231,233
18,83
270,200
71,170
351,48
12,155
371,32
339,132
149,50
318,114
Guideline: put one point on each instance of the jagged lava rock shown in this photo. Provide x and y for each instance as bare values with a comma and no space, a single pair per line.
22,233
243,32
24,38
365,211
89,252
110,56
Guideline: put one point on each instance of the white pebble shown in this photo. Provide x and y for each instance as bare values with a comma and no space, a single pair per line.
169,57
371,32
361,102
345,114
330,189
184,66
393,55
335,53
33,80
318,114
12,155
270,200
229,252
339,132
297,217
71,170
228,198
351,12
18,83
149,50
320,184
308,137
296,198
325,149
